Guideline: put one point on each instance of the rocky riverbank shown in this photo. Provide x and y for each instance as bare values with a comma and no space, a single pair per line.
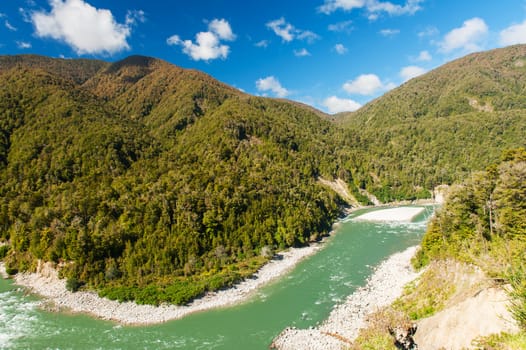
47,284
345,321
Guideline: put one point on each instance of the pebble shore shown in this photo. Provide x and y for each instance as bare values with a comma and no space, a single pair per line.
47,284
346,320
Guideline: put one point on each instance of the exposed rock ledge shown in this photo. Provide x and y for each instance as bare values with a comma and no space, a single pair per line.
456,327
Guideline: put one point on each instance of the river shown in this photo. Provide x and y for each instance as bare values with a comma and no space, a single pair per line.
302,298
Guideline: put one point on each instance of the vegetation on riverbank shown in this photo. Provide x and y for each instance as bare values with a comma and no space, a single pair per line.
480,230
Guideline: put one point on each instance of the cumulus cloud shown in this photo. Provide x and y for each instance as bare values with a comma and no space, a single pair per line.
340,49
467,37
424,56
515,34
301,53
336,105
208,45
288,32
373,7
389,32
86,29
273,85
222,29
411,72
366,84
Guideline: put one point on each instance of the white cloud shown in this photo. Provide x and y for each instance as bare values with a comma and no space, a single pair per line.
411,72
301,53
340,49
467,37
344,26
389,32
86,29
330,6
288,32
174,40
515,34
222,29
10,26
132,17
410,7
282,29
273,85
307,35
424,56
208,44
336,105
373,7
366,84
262,43
23,45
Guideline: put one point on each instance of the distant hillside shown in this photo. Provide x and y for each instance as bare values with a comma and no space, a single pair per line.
143,174
440,126
78,70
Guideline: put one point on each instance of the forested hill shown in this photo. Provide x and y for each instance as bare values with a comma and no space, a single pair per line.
152,182
440,126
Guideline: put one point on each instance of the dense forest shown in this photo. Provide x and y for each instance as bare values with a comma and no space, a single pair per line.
441,126
141,174
483,222
150,182
473,245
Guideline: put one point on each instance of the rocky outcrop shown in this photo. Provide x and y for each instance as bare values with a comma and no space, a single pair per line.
456,327
404,337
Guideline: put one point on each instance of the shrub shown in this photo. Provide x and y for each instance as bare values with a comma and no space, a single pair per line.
73,284
3,251
518,294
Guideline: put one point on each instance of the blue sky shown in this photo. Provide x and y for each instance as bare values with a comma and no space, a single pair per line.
335,55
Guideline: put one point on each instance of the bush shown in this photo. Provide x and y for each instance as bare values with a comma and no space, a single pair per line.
73,284
11,270
518,294
3,251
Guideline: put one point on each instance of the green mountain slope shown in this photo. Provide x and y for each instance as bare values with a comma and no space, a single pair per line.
155,183
151,182
440,126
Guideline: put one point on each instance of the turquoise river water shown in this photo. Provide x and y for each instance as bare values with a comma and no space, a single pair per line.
302,298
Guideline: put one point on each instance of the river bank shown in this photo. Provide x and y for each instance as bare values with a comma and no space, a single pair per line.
46,284
345,321
56,297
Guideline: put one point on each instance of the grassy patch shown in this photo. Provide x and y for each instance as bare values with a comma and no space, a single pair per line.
503,341
376,335
426,295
